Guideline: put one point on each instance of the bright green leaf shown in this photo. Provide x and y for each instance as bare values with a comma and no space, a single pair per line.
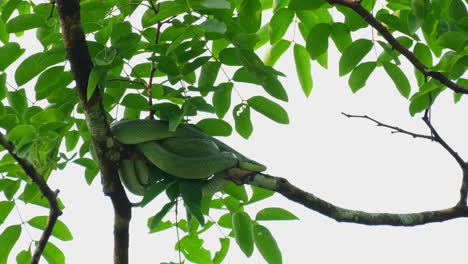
279,24
303,69
269,109
8,239
60,230
3,87
360,74
398,77
154,221
36,63
24,257
135,101
353,54
222,252
276,51
5,209
53,254
341,35
17,99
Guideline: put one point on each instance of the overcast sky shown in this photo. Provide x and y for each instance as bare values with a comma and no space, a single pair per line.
349,162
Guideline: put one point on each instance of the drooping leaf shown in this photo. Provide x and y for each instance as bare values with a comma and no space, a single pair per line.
243,232
243,124
317,40
154,221
5,209
222,252
303,69
353,54
8,239
18,100
360,74
269,109
341,35
276,51
53,254
398,77
222,99
192,195
267,245
250,15
279,24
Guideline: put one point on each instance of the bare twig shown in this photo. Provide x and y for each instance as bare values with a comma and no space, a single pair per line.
394,129
46,191
369,18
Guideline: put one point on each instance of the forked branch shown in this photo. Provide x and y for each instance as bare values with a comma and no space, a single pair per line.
46,191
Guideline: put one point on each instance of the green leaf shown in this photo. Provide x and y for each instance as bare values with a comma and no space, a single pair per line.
215,127
5,209
8,239
222,252
250,15
53,254
167,9
192,248
317,40
457,10
222,99
229,57
279,24
267,245
216,4
420,8
276,51
154,221
423,53
301,5
24,257
275,213
243,233
269,109
303,69
191,193
36,63
93,81
24,22
454,40
259,194
274,87
341,35
71,139
3,87
353,54
60,230
398,77
135,101
236,191
154,190
360,74
9,53
214,26
243,124
17,99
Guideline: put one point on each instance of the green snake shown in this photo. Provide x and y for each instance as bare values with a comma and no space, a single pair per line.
186,153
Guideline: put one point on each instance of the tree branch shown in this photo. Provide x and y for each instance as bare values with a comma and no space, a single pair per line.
107,149
394,129
51,196
369,18
309,200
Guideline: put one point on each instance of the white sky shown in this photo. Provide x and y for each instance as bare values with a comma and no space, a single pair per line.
349,162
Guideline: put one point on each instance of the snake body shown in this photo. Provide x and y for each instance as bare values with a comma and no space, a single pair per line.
185,153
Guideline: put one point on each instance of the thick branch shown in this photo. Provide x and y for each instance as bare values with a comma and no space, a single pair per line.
107,150
309,200
51,196
367,16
